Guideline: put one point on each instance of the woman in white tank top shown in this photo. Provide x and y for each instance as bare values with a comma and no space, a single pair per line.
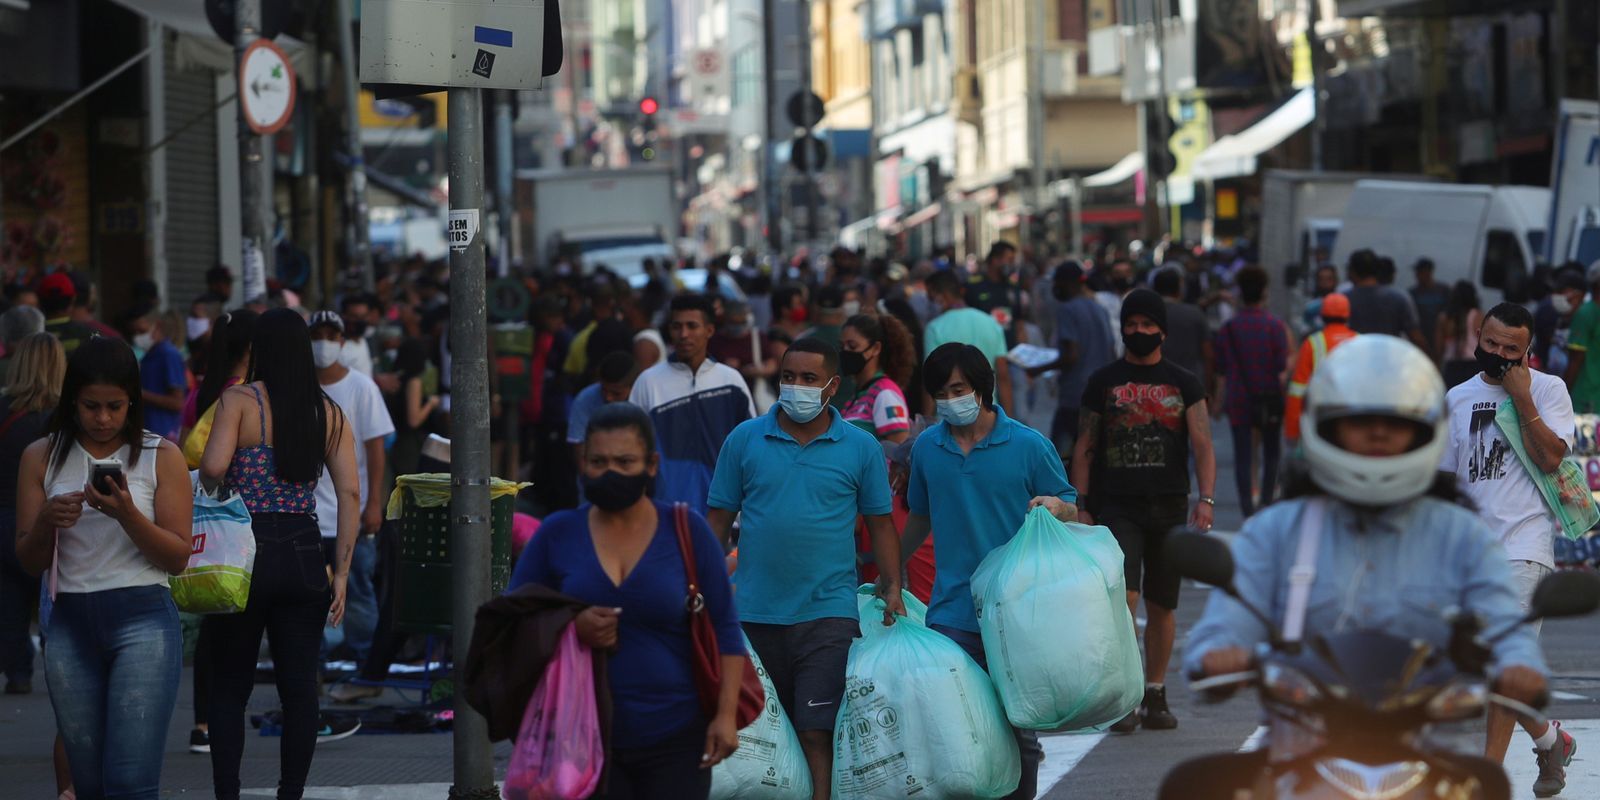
108,546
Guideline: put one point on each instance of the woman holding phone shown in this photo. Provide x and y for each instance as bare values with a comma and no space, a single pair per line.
109,543
270,440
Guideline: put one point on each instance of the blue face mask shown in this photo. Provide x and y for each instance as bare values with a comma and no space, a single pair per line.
959,412
801,403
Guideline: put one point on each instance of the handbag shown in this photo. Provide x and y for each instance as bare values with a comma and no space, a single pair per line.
761,388
222,558
1565,491
1266,408
705,656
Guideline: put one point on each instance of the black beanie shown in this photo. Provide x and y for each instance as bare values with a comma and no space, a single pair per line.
1148,303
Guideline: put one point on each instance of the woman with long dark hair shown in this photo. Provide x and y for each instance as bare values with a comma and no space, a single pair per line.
270,441
1458,334
110,540
411,407
227,364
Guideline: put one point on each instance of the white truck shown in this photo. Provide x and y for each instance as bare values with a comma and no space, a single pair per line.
1574,222
613,218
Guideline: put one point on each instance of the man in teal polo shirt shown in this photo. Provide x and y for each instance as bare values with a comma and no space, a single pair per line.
799,476
974,476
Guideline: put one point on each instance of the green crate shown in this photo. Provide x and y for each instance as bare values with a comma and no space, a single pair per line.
425,583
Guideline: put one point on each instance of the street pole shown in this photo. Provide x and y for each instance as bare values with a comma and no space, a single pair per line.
505,201
769,99
1036,111
255,173
469,441
1318,126
357,246
1163,131
803,10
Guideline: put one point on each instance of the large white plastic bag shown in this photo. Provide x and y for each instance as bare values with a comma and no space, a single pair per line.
1053,609
769,764
871,610
919,719
221,559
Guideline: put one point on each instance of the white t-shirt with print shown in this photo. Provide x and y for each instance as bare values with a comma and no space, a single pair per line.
1492,476
362,402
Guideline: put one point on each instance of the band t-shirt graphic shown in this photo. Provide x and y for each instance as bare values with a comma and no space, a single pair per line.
1142,445
1487,457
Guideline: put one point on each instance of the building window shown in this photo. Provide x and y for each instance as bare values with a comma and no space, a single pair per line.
746,77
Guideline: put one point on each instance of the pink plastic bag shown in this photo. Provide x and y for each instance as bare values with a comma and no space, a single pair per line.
558,755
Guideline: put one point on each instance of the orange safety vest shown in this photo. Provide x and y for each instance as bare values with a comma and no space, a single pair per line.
1316,347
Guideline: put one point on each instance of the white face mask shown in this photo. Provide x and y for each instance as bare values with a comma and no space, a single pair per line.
197,327
144,341
851,308
325,353
1561,303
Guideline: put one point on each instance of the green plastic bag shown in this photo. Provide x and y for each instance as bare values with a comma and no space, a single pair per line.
919,719
1053,610
1565,491
769,764
221,559
872,611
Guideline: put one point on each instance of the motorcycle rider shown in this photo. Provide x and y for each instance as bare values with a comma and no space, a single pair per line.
1394,553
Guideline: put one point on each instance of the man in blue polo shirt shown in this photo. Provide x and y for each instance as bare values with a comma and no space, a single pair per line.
974,476
799,476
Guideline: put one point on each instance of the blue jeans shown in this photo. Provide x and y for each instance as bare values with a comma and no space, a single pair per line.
18,592
360,599
113,665
1027,741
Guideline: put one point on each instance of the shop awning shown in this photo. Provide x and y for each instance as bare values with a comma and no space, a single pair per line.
200,47
1235,156
1130,165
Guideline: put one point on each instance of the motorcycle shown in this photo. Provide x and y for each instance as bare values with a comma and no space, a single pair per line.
1349,712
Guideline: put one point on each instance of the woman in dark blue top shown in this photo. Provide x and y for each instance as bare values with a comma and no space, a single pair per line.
620,553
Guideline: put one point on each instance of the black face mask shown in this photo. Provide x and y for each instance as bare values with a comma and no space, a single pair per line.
851,363
1142,344
614,491
1122,284
355,330
1495,366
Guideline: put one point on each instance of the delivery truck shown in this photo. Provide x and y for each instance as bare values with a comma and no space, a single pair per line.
617,218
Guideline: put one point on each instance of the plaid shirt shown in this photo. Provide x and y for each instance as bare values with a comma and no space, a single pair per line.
1252,350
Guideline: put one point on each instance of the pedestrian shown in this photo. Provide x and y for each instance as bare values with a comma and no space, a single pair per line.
1142,418
219,286
717,401
797,478
1480,456
17,323
975,475
355,310
955,322
993,292
32,391
367,417
270,442
1583,373
1430,297
1552,322
412,406
1335,310
110,543
56,296
1458,335
790,313
739,344
620,554
1376,308
1189,346
1253,358
162,372
617,374
1111,287
1325,281
649,348
1083,337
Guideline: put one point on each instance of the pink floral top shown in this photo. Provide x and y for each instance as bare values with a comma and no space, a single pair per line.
254,475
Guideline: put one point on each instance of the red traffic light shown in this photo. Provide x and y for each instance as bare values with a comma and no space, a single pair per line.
649,106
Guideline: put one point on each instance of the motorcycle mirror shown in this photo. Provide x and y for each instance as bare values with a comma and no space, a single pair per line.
1203,558
1565,594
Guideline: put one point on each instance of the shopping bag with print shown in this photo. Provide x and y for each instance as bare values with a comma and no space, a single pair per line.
558,754
871,610
221,558
919,719
769,764
1053,610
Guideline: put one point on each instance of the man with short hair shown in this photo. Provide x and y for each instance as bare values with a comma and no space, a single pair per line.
219,286
617,373
368,417
56,296
993,293
1583,373
1116,284
1189,345
1141,417
356,309
83,305
1083,338
1253,358
1335,310
1375,308
1429,296
798,477
955,322
694,402
1479,456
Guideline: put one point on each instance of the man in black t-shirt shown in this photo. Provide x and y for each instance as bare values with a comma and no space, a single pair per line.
1141,416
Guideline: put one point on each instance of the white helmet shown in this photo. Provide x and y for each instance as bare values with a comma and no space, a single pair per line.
1383,376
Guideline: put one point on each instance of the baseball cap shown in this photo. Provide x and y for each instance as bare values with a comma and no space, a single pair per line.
328,318
57,284
1069,271
1335,306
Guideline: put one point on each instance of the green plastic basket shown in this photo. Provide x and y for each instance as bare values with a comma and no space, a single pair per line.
424,588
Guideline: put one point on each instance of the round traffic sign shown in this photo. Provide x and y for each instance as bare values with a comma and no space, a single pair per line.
808,153
805,109
266,87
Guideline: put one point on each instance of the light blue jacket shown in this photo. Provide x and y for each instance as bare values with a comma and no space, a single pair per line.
1396,570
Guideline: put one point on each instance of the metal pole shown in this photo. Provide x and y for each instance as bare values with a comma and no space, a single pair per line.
1317,123
1035,52
1161,121
356,244
769,100
255,173
803,10
505,200
469,440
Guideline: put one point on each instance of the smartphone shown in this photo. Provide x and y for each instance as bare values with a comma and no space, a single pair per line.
105,474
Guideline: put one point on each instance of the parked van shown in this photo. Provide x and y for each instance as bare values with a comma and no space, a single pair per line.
1489,235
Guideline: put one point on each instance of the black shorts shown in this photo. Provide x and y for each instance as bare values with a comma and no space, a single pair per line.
1141,526
806,663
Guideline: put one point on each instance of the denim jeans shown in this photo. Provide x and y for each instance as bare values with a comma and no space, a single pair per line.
1243,454
113,665
1027,741
360,598
670,768
289,598
18,592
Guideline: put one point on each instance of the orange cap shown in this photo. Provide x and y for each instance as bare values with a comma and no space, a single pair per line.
1335,306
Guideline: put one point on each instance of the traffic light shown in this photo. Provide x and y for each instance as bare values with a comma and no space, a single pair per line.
648,106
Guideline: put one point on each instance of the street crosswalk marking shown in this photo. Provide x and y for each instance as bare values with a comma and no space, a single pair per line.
1568,696
1062,753
1253,743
